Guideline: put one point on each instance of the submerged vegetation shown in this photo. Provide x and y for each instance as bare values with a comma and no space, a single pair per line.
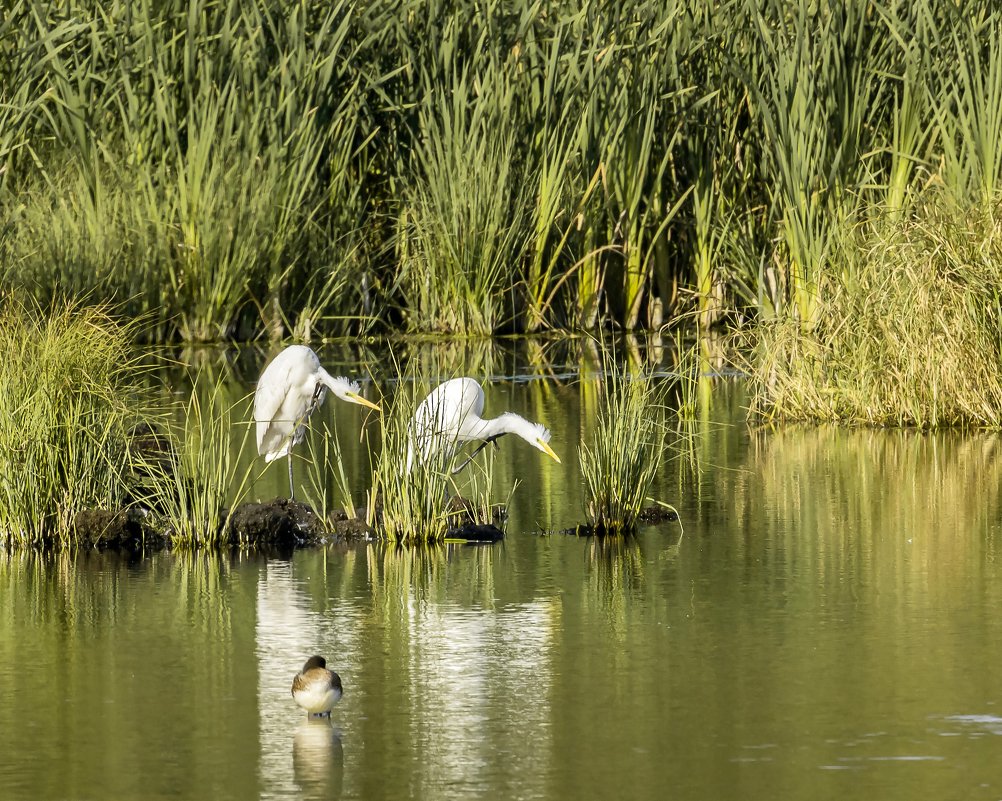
244,169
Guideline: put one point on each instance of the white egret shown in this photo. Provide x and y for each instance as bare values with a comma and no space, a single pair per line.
451,416
290,389
315,688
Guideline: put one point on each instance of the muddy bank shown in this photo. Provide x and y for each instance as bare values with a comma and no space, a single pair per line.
649,516
279,525
103,529
283,525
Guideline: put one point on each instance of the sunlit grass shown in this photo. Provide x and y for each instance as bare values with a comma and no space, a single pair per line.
196,481
419,499
329,489
624,452
914,343
413,503
66,402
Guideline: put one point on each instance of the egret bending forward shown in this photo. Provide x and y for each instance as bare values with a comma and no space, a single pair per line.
315,688
450,416
289,391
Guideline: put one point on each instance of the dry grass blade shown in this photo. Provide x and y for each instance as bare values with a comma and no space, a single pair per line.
915,343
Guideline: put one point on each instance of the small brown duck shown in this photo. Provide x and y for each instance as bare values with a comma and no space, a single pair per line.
316,689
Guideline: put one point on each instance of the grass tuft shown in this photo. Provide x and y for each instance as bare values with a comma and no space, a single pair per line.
422,503
413,504
624,452
196,482
66,402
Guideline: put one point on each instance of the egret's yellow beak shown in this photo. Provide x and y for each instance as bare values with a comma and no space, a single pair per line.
545,448
356,398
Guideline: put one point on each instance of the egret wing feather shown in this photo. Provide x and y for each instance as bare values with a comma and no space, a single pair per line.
285,393
449,416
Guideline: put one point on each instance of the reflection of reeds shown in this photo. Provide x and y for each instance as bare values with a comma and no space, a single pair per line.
913,505
438,358
398,573
615,575
136,649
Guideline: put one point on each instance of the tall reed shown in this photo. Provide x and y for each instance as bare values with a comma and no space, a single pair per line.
241,169
462,232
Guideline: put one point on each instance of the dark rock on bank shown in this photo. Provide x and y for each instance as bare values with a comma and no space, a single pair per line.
474,533
657,514
122,530
652,515
351,529
280,523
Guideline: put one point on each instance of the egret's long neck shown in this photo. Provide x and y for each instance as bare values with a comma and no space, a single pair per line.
508,423
336,384
328,380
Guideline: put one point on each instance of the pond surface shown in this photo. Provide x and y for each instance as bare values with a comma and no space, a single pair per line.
828,626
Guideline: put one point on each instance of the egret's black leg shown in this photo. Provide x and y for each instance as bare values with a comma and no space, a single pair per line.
480,447
292,489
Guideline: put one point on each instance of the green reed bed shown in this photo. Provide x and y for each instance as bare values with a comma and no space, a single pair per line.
917,342
207,146
66,403
477,168
239,169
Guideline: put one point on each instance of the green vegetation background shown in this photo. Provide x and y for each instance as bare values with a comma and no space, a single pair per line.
248,168
237,169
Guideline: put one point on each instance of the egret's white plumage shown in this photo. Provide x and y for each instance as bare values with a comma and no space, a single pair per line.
290,389
451,416
315,688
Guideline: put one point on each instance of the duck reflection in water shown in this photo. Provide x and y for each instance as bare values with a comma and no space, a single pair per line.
318,759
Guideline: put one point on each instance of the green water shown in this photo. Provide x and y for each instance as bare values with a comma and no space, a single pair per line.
828,626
